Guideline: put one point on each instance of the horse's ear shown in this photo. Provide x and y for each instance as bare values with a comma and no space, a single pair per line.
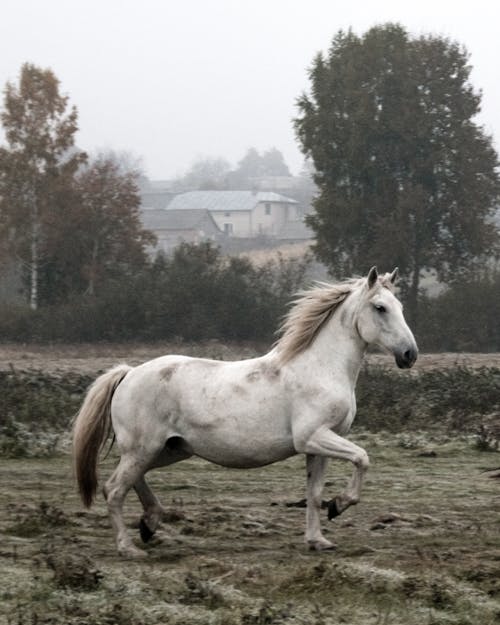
372,277
394,275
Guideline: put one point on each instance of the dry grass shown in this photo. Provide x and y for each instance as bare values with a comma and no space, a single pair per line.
287,251
422,547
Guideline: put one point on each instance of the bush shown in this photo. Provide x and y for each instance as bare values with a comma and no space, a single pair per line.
36,409
195,294
463,318
458,399
33,396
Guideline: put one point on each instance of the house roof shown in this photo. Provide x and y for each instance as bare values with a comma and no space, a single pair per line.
168,219
225,200
156,199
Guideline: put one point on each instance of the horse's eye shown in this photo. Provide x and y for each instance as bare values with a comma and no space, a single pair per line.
379,308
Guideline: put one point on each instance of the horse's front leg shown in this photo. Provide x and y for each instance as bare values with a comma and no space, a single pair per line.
316,466
324,442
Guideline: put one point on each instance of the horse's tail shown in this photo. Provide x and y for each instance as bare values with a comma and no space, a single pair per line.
91,429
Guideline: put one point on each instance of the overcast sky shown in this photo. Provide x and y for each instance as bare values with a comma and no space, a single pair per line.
174,80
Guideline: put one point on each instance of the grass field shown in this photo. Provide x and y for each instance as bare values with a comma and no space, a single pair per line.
422,547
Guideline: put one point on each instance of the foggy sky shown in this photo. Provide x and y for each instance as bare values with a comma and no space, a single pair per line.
174,80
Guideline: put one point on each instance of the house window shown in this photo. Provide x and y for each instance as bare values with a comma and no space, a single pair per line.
228,229
227,214
268,208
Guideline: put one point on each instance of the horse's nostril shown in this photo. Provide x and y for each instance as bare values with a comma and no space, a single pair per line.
406,359
410,356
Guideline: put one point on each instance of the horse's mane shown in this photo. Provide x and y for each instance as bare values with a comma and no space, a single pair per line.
310,311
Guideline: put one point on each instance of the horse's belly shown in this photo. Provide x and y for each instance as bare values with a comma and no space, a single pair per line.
233,444
243,457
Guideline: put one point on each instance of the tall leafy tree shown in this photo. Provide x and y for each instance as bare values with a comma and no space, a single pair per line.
273,163
405,174
251,164
36,167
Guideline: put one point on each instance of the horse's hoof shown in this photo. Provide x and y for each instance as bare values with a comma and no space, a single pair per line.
333,510
146,533
321,545
132,553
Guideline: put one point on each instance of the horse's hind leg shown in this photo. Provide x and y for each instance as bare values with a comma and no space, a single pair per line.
128,472
153,510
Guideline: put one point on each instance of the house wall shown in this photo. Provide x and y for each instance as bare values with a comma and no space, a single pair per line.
269,217
258,221
240,220
169,235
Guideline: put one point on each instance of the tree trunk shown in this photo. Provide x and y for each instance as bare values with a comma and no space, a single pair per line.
35,260
412,301
93,269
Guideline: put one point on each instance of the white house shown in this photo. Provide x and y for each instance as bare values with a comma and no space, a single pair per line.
241,213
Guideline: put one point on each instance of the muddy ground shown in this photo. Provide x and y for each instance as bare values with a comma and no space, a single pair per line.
423,545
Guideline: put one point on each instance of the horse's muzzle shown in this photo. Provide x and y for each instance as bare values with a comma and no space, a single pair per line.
406,359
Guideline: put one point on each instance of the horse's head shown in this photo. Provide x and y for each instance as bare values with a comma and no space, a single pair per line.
380,319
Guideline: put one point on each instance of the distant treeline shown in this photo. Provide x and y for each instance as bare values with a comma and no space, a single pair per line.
198,293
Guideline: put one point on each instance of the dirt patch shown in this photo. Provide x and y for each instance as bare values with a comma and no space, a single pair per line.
443,360
93,358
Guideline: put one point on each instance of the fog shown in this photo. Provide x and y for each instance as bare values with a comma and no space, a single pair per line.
171,81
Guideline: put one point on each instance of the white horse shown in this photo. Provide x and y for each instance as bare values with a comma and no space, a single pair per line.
297,399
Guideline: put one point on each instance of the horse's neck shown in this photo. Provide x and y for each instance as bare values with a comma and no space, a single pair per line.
338,349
